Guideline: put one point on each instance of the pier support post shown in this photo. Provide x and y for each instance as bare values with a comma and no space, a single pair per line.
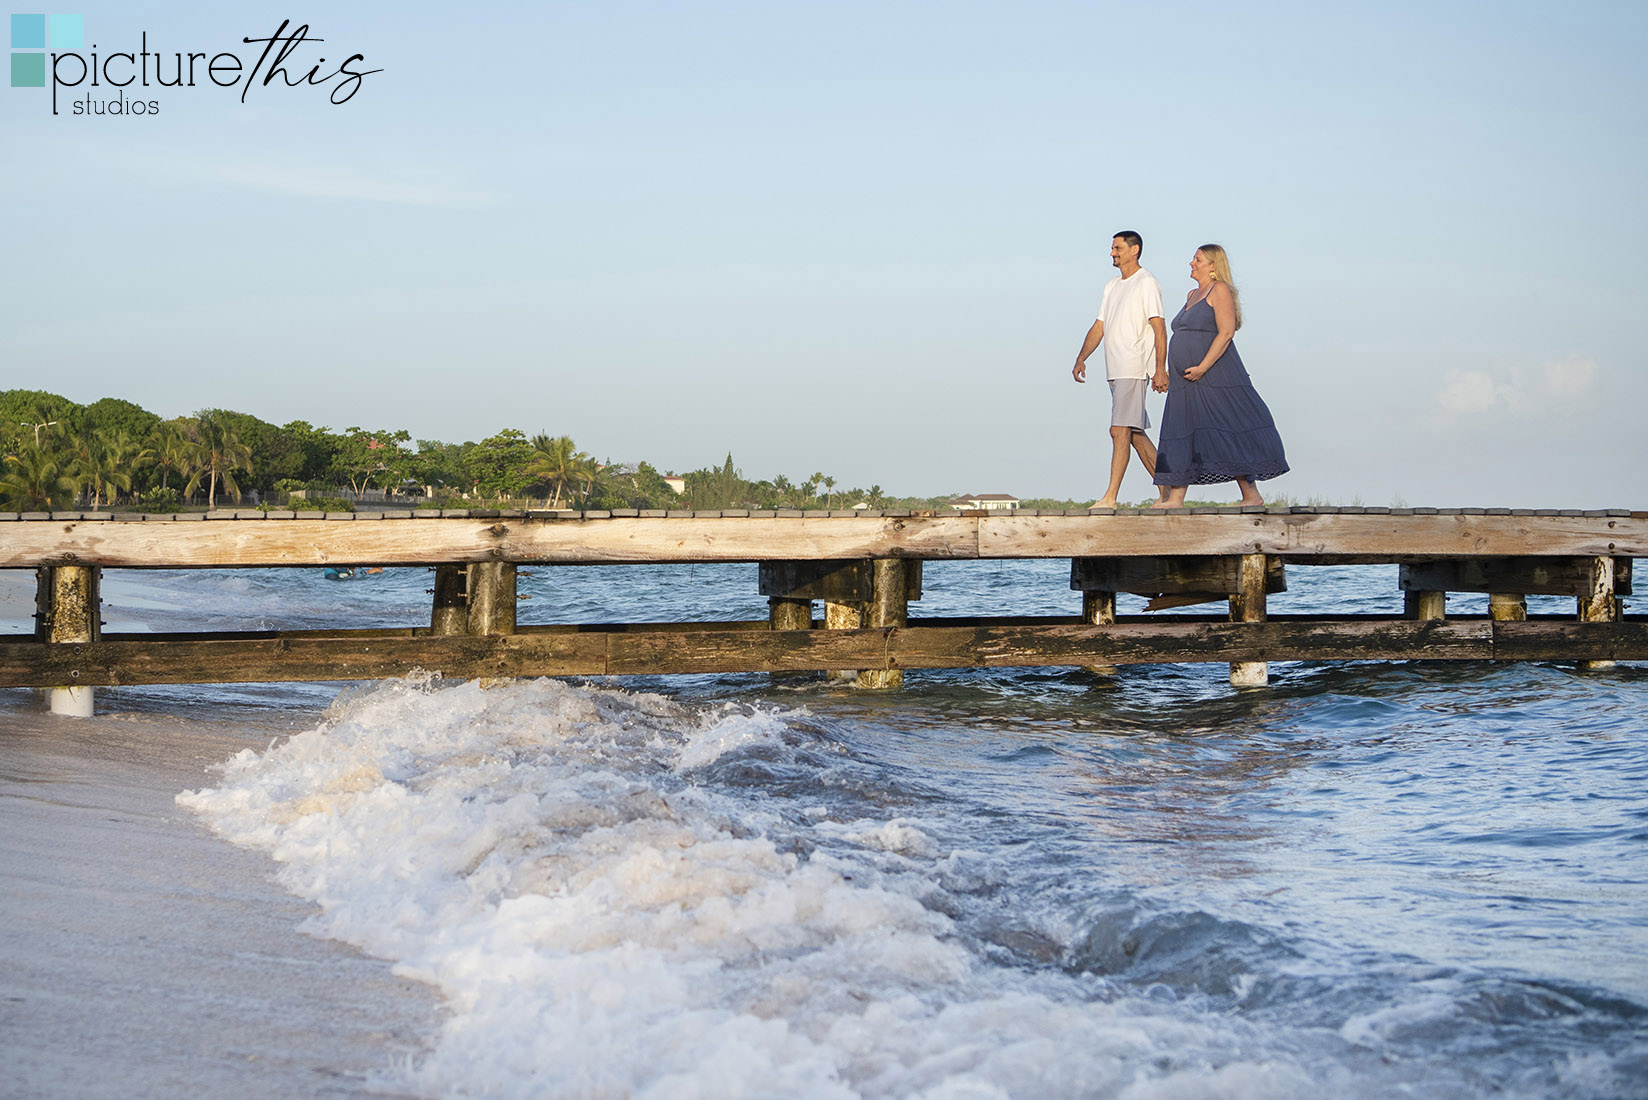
888,607
1099,609
1425,605
843,615
789,614
492,597
1507,607
1600,605
71,615
1248,606
450,613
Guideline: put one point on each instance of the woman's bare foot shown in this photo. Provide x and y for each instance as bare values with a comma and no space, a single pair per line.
1250,495
1174,498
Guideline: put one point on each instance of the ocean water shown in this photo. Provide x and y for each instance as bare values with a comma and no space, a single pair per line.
1366,880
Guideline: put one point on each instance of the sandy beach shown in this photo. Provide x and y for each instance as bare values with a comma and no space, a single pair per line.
143,956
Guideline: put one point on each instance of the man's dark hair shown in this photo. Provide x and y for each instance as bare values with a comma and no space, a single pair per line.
1131,238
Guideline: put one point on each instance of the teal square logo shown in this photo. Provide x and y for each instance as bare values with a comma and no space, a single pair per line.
28,32
28,70
68,32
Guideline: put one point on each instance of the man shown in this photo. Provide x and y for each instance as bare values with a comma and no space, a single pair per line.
1134,334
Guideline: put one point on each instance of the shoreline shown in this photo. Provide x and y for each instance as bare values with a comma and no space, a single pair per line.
145,956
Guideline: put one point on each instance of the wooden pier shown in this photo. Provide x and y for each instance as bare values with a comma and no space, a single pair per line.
865,570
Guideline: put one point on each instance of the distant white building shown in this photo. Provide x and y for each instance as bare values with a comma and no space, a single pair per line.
679,484
989,502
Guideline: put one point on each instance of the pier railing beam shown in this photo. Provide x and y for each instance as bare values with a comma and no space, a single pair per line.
1600,605
450,613
1248,606
492,597
72,615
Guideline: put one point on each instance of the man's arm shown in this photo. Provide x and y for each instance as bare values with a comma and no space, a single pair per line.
1159,327
1094,335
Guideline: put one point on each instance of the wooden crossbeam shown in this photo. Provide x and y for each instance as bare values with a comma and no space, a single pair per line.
358,655
1315,537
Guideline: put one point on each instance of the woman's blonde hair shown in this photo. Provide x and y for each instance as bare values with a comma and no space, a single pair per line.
1221,274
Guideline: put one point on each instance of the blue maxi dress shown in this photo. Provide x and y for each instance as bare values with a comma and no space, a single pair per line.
1216,428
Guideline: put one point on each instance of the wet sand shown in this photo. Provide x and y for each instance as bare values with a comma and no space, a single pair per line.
142,956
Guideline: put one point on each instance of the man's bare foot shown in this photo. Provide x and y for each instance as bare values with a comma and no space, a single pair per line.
1102,503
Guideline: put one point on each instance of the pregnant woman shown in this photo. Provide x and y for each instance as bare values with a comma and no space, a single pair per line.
1215,427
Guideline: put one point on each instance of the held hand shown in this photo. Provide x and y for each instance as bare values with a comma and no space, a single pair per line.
1079,371
1159,383
1196,372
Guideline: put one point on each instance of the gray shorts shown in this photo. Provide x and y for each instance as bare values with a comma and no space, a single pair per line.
1127,402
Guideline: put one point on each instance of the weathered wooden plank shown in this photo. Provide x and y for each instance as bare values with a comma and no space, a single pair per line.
318,542
642,539
1311,534
1518,576
1176,575
839,581
115,662
282,660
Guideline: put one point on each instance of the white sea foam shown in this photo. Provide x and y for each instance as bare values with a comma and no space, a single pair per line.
605,920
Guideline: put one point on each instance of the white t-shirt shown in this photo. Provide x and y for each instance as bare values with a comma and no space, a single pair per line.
1126,309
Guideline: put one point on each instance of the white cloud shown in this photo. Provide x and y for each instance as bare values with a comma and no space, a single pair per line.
1554,387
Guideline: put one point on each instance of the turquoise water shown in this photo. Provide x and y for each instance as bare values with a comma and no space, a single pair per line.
1379,879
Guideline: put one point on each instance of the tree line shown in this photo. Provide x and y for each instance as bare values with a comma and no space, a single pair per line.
60,454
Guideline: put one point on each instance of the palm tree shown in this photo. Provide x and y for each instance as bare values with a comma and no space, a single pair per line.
114,457
556,460
219,454
829,487
35,481
170,446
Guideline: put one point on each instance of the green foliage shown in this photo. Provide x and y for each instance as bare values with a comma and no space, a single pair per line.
36,416
439,465
36,480
622,487
318,446
365,459
496,467
111,414
717,488
276,453
320,504
160,501
218,455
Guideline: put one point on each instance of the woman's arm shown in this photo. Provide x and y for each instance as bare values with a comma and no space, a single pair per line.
1224,314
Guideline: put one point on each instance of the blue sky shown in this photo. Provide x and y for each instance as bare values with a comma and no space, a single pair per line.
866,238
